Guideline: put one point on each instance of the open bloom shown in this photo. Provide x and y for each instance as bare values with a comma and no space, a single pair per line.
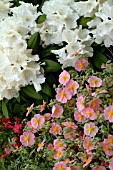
57,111
55,129
64,77
108,113
80,103
99,168
58,153
89,113
37,121
87,144
63,94
72,86
95,103
94,81
81,64
27,139
60,166
90,129
58,144
79,117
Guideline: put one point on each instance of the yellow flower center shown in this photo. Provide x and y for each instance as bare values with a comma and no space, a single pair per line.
90,129
55,130
81,65
27,138
88,144
37,121
110,113
63,94
64,77
60,167
95,82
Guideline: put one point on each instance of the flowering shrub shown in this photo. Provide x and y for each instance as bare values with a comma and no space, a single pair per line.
76,132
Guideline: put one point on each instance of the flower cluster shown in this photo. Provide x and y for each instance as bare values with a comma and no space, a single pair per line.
77,131
63,25
18,67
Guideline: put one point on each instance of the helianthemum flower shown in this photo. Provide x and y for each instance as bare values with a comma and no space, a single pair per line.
89,113
94,81
87,144
55,129
63,94
72,86
60,166
37,121
27,139
90,129
81,64
108,113
99,168
57,111
64,77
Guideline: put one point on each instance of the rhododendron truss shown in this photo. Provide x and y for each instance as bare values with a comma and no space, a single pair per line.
76,132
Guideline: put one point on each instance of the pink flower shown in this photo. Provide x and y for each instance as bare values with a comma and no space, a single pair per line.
47,116
72,86
64,77
106,147
81,64
87,159
60,166
58,154
57,111
94,81
29,109
40,145
51,147
58,144
80,103
63,94
99,168
110,140
70,125
29,125
111,165
7,150
89,113
108,113
87,144
17,128
37,121
90,129
95,103
79,117
55,129
27,139
43,106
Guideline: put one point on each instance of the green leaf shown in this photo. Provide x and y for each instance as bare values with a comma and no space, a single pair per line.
51,66
46,89
41,19
99,59
4,109
34,41
31,92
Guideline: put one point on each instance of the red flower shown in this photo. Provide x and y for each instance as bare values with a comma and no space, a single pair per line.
17,128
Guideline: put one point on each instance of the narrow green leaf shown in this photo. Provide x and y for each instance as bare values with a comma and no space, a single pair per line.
4,109
34,41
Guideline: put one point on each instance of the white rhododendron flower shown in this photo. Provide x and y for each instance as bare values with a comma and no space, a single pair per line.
18,67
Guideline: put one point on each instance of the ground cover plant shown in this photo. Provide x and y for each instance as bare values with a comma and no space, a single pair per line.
56,87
